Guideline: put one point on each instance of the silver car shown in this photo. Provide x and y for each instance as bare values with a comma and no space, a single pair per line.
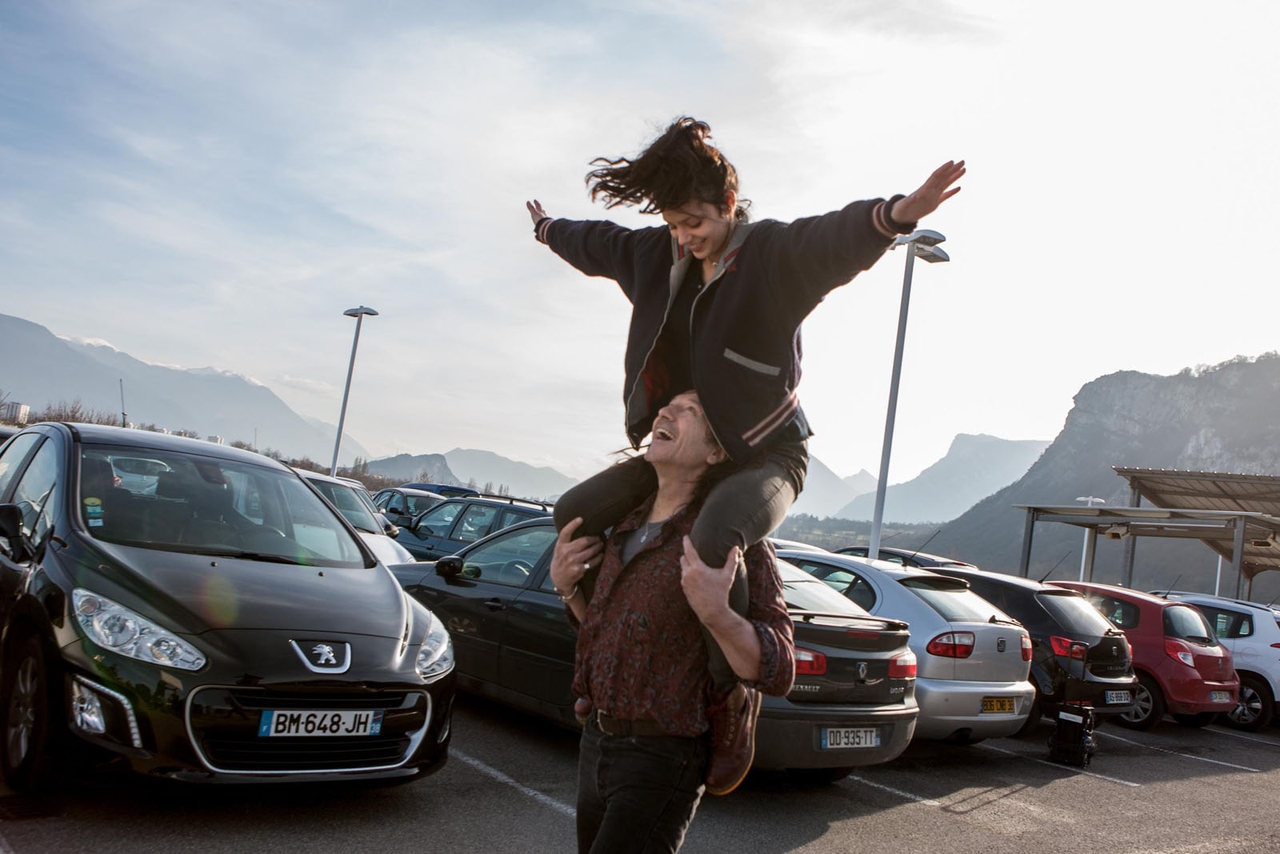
973,659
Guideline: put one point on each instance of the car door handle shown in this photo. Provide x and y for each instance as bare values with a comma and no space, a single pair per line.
495,604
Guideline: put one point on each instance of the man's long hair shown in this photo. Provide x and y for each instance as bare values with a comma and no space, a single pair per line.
678,167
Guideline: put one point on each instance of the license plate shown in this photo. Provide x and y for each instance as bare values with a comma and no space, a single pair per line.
1219,696
997,705
840,737
310,723
1119,698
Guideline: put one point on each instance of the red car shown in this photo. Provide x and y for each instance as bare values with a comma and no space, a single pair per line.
1182,669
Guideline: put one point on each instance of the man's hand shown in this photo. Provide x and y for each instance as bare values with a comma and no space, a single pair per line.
536,211
572,558
933,192
707,587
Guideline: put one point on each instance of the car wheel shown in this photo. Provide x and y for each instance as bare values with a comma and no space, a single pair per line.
24,709
1196,720
1033,719
1255,708
820,776
1148,705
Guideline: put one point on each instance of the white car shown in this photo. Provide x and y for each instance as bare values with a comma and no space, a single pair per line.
346,499
973,660
1251,631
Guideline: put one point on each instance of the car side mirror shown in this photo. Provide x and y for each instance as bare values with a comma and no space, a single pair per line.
449,566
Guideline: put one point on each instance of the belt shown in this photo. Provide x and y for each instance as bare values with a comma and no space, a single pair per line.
609,725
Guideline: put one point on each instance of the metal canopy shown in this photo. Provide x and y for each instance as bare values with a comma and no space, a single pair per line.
1235,515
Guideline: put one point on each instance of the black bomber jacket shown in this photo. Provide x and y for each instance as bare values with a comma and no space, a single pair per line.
745,337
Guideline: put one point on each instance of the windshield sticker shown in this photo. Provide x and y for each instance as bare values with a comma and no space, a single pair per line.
93,512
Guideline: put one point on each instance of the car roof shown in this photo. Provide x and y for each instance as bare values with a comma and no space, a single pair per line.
408,490
1123,593
1029,584
1209,598
894,570
146,440
315,475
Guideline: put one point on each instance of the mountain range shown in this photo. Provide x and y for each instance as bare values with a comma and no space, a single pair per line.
205,401
1224,418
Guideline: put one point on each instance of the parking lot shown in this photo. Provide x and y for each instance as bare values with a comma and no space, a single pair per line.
509,786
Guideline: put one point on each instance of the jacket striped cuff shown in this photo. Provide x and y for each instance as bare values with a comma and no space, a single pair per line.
540,229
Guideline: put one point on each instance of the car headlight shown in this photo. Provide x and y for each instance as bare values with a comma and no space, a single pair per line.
435,656
112,626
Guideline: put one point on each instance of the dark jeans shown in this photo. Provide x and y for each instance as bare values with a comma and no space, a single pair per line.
637,794
740,510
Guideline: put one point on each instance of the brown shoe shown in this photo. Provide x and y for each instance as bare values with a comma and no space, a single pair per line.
733,739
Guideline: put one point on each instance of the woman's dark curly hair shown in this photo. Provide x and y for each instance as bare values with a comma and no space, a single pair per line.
678,167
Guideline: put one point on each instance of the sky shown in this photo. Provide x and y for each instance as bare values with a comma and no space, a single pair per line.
213,184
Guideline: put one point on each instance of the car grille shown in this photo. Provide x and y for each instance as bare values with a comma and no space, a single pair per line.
223,727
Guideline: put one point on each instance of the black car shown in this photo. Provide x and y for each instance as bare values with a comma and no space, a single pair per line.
458,522
224,623
1055,623
445,489
400,505
853,703
907,557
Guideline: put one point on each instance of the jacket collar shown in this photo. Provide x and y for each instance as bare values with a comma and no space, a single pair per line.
680,260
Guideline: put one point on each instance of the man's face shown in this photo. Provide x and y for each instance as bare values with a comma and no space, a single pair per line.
700,228
681,436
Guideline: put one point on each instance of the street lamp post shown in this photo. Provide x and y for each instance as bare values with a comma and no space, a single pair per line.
922,243
358,313
1090,538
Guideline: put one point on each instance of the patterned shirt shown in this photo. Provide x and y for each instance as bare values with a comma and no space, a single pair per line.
641,654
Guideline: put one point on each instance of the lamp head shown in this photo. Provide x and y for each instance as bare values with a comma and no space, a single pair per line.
359,310
920,237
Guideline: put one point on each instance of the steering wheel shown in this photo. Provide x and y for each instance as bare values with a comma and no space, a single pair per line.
517,567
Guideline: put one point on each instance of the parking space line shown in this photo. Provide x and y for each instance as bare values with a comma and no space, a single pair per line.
1183,755
490,771
1255,739
1062,767
899,792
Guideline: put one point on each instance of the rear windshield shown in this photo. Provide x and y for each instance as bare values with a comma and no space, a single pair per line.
1181,621
803,592
953,599
1074,613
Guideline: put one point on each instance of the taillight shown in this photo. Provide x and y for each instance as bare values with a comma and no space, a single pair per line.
810,663
952,645
1026,648
903,666
1179,650
1068,647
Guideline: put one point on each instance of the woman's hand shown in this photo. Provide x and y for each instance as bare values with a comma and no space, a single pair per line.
536,211
932,193
572,558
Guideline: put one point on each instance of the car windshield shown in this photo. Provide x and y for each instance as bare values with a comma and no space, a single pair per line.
1074,613
347,501
953,599
211,506
1181,621
803,592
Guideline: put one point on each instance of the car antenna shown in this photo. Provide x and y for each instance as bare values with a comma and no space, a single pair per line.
1056,565
1172,587
925,543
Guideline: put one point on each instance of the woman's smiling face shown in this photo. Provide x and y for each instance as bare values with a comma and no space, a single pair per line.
702,228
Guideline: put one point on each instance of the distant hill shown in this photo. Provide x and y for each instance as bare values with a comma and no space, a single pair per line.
38,368
861,483
1225,418
973,468
825,492
462,466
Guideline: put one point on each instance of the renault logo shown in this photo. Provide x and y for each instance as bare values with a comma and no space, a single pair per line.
323,656
862,671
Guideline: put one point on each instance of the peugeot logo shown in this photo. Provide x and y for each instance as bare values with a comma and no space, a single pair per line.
999,644
323,656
